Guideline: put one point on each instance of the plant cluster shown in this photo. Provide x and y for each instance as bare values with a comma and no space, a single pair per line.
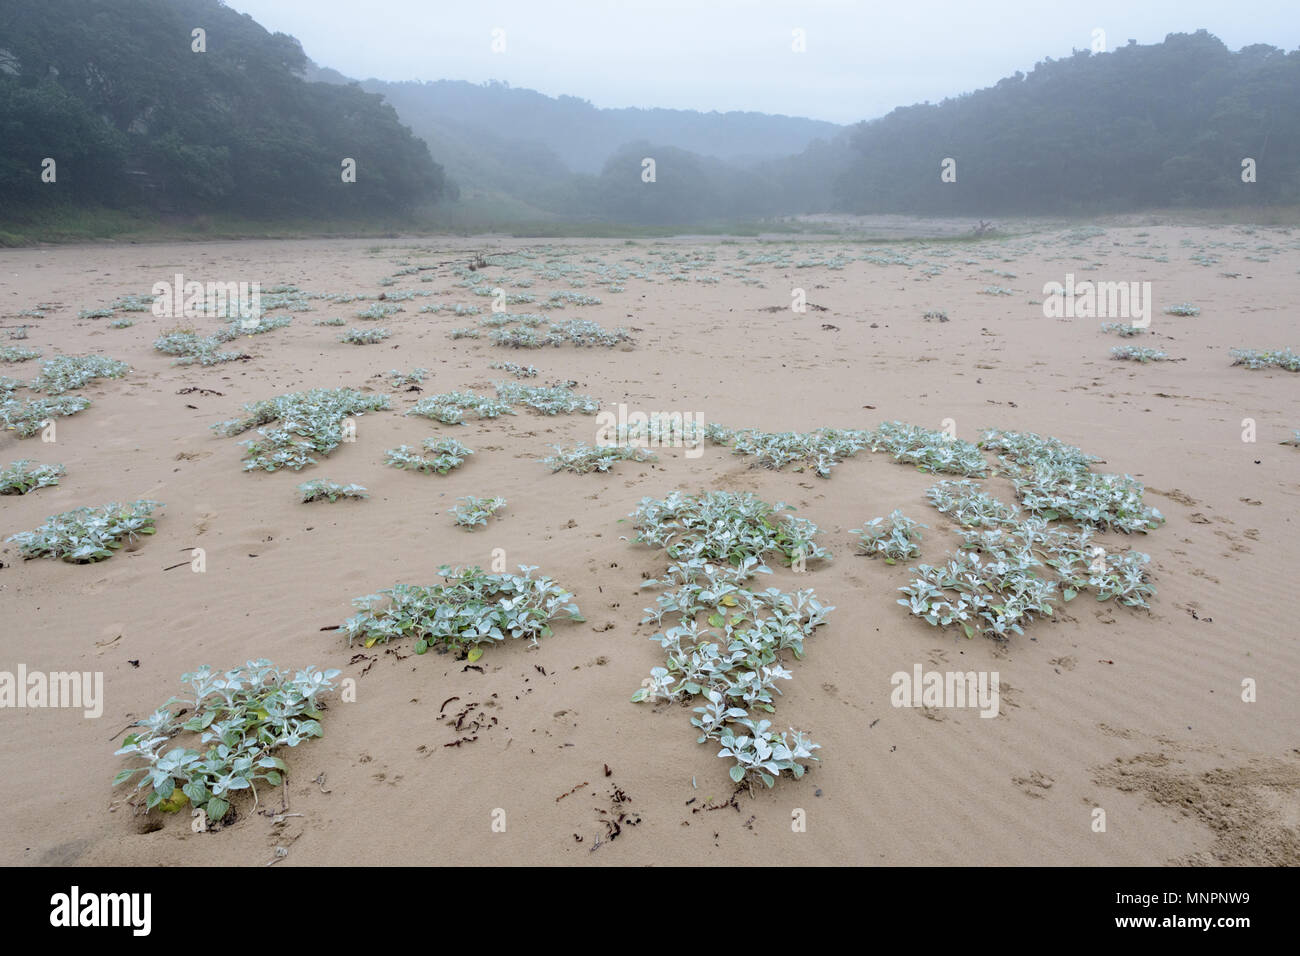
472,608
1054,480
518,371
1122,329
85,535
29,417
329,490
16,353
190,348
932,451
64,373
311,423
446,454
1266,358
582,458
364,336
547,399
1134,353
18,478
894,541
476,511
819,451
1183,308
242,717
735,658
411,379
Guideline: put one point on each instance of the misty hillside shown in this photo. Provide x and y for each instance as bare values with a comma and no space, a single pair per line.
136,119
133,115
1160,125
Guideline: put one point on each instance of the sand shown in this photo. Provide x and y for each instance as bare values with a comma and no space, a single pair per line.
1137,713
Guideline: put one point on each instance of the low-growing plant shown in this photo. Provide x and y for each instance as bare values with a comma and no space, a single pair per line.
64,373
547,399
583,459
413,378
29,417
473,608
311,422
735,658
476,511
818,451
121,324
323,489
379,310
895,539
1183,308
518,371
1123,329
928,450
23,476
85,535
1134,353
332,320
15,353
1266,358
242,717
446,453
364,336
725,527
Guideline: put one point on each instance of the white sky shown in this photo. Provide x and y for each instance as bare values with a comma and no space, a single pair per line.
864,57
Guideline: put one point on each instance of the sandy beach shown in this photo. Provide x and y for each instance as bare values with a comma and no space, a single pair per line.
1137,713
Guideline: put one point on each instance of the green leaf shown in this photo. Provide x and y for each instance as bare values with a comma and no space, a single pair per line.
125,775
421,646
474,654
1069,594
716,620
737,773
216,809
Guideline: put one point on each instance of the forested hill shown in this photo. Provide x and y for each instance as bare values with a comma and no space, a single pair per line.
117,95
1160,125
583,136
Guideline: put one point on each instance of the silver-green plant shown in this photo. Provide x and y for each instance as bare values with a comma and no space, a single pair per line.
29,417
476,511
547,399
311,422
1123,329
23,476
411,379
443,455
16,353
928,450
583,459
473,608
241,717
1134,353
364,336
895,539
65,373
323,489
85,535
1266,358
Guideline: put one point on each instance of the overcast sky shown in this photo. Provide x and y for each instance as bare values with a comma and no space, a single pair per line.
863,57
